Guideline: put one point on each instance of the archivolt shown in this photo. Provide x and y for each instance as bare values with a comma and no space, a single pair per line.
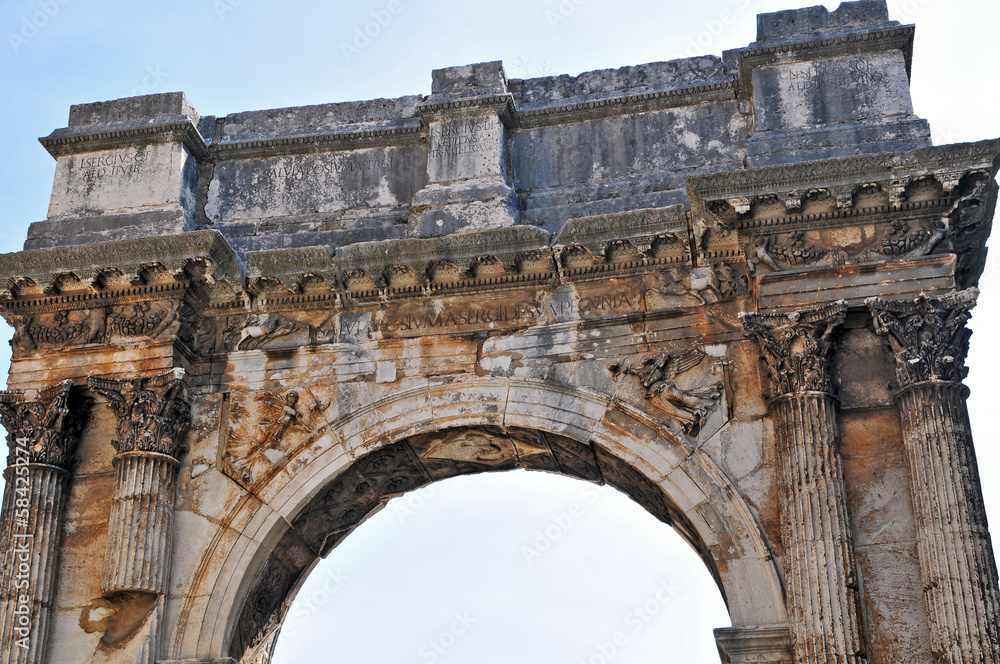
450,428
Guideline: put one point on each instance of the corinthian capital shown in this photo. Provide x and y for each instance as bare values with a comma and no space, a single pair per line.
153,414
928,335
796,345
48,428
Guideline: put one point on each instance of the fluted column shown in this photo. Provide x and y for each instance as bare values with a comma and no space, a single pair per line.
820,575
930,340
153,418
42,438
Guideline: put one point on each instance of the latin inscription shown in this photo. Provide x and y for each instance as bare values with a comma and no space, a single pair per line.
452,139
113,164
469,316
861,72
314,170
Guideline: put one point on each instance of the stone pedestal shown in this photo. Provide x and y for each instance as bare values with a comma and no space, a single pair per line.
820,576
42,436
468,186
957,565
124,168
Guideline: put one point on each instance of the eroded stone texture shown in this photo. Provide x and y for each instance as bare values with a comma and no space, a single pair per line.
287,317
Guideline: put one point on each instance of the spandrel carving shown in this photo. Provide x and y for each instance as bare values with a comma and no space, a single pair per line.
657,374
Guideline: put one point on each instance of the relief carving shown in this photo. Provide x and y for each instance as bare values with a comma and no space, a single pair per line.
142,319
906,241
689,407
59,330
266,430
928,335
789,251
796,346
252,331
700,285
50,425
153,414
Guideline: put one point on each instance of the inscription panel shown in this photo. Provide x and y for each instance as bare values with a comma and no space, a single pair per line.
842,89
326,182
465,148
117,180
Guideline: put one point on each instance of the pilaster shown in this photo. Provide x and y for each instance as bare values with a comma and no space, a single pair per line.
929,339
820,575
42,438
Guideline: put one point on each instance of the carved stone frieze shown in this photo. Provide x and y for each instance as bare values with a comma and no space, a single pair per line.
928,335
153,413
266,429
48,426
59,330
697,285
142,319
796,346
253,331
657,374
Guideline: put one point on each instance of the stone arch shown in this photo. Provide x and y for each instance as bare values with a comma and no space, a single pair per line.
278,545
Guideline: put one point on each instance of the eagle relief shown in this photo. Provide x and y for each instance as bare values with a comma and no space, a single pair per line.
688,407
266,429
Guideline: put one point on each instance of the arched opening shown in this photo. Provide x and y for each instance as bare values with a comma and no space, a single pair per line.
517,565
372,480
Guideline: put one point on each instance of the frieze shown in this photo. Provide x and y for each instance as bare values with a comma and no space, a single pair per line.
928,335
49,425
153,413
657,374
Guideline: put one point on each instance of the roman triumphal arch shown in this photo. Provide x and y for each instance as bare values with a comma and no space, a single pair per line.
736,289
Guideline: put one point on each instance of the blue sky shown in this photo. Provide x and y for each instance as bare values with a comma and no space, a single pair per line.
401,583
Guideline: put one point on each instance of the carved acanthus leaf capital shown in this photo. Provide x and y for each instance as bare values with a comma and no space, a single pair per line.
48,428
153,413
928,335
796,346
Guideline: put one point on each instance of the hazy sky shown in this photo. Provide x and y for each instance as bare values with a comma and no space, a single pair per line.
442,575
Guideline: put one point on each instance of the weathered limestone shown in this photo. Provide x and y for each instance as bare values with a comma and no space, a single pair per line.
153,419
297,314
819,565
930,340
43,436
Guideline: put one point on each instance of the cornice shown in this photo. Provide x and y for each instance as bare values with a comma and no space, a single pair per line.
132,268
886,38
714,90
93,138
445,107
409,132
